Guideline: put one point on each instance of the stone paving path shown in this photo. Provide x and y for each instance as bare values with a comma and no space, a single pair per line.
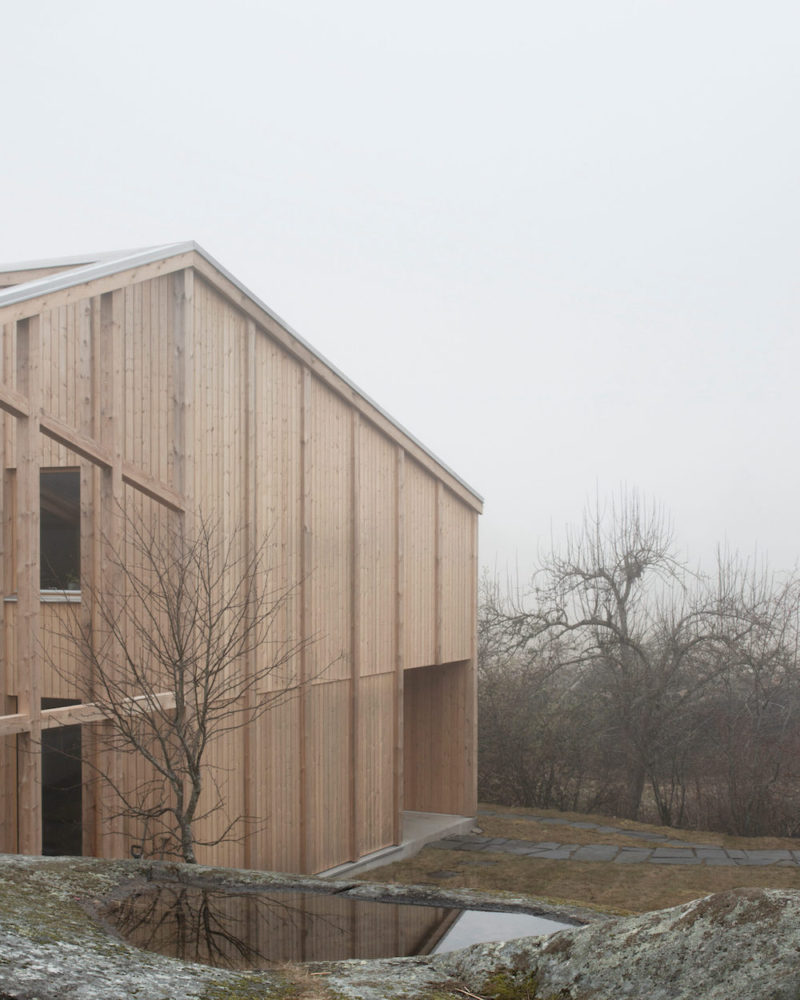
655,849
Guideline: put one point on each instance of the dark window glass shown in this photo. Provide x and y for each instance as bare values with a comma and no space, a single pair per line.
62,807
60,517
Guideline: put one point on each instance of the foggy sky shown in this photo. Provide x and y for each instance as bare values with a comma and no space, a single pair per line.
556,241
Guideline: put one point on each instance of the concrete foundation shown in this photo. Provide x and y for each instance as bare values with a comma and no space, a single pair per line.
419,829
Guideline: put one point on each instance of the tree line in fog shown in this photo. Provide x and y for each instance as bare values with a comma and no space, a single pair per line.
621,681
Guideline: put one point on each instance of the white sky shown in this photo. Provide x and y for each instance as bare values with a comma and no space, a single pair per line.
558,241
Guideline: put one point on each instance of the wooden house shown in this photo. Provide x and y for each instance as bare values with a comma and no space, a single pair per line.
154,378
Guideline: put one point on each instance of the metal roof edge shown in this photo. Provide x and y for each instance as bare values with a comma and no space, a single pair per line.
76,259
124,260
120,261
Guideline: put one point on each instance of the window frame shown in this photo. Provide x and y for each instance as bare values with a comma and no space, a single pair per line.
67,594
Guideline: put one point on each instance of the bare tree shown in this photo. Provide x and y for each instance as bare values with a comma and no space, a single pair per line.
634,683
751,717
181,652
536,728
616,600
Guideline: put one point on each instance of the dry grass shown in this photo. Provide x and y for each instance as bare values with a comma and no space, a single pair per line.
570,834
302,983
601,886
518,829
608,887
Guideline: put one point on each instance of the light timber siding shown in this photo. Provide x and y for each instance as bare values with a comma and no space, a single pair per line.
457,570
11,665
61,665
376,760
329,459
177,396
377,516
276,766
329,720
227,775
149,375
276,454
420,566
8,783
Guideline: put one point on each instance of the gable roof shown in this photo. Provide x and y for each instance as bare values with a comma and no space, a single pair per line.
55,275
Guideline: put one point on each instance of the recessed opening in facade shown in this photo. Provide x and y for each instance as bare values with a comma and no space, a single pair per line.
437,720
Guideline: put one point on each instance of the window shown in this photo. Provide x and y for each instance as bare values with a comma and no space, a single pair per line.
60,529
62,805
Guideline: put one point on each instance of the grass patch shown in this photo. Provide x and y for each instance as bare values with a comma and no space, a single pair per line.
604,886
570,834
519,829
601,886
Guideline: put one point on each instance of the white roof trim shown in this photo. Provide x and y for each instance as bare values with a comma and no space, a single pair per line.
111,263
84,258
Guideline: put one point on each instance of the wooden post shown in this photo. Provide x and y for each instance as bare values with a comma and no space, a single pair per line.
9,331
28,587
8,748
8,783
306,848
356,806
252,541
471,721
109,509
8,703
183,403
399,641
90,419
438,575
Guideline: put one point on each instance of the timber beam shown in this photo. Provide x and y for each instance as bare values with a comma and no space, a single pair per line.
76,715
81,444
13,402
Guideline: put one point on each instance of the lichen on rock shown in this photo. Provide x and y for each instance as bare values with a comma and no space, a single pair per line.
743,943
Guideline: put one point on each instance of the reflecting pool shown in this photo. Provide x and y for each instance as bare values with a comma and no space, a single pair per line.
253,929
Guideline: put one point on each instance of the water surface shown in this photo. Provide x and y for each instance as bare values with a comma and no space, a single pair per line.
254,929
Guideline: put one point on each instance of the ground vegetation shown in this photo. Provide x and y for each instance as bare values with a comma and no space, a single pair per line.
600,885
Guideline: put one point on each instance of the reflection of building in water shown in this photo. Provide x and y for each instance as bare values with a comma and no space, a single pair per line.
248,930
154,383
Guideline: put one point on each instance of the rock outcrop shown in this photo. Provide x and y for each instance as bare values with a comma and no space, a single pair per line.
737,945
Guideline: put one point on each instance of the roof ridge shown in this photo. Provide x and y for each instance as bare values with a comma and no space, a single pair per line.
77,259
86,269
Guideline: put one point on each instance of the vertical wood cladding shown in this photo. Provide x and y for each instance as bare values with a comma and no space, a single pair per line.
377,517
329,461
371,542
420,566
376,760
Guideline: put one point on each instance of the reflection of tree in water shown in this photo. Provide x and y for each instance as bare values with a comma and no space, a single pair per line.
238,930
202,925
